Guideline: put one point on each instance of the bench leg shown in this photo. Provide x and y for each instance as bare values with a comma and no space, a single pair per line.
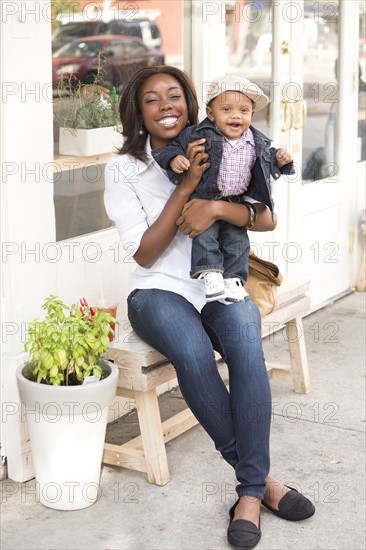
299,361
152,437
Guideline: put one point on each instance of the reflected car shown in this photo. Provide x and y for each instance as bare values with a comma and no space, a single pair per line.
145,29
124,55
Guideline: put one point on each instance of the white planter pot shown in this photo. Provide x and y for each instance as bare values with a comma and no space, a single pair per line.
67,426
86,143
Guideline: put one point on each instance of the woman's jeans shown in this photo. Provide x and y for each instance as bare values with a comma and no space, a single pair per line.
238,420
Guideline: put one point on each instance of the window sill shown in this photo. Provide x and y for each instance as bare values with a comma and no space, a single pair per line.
64,163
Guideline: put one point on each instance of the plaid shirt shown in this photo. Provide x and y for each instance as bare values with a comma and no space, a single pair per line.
236,164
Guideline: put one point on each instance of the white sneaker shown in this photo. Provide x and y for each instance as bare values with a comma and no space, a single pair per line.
234,290
214,285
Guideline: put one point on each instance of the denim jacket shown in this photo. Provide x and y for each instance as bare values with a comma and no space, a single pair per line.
265,165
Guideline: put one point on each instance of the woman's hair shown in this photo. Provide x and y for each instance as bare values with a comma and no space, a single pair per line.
130,112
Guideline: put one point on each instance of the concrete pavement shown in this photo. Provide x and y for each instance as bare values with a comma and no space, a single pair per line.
317,445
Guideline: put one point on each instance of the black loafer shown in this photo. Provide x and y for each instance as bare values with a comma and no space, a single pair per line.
241,532
293,506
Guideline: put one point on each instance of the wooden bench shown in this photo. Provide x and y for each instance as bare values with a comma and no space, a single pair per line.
142,369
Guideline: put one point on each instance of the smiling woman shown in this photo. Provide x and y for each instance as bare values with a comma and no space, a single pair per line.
168,309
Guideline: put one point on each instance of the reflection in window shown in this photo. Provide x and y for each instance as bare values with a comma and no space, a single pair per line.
321,91
361,150
117,48
87,48
248,44
78,194
78,199
134,47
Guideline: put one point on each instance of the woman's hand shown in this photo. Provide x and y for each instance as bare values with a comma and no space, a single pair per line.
194,148
197,216
198,159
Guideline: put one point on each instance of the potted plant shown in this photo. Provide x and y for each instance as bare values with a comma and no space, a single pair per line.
66,388
89,123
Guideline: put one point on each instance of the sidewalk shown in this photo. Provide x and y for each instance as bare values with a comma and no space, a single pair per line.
317,446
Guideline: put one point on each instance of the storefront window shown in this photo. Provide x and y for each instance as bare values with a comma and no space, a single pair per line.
321,90
361,143
130,35
248,44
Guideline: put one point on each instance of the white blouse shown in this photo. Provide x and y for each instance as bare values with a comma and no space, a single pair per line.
135,195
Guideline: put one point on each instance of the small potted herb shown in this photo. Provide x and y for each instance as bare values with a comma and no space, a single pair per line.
89,122
66,388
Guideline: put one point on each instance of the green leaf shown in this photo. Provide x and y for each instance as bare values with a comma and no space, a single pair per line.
97,371
60,315
105,341
47,359
61,356
54,371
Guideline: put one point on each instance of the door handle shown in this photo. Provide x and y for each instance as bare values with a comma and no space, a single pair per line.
286,47
285,115
293,114
299,113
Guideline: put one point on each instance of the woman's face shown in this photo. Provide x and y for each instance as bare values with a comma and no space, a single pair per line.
163,107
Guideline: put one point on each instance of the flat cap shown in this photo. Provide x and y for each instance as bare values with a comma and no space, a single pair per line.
223,84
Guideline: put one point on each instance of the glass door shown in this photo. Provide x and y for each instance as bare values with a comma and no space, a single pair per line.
249,48
321,91
292,50
254,52
320,197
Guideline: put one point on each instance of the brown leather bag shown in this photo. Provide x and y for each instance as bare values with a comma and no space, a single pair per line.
263,279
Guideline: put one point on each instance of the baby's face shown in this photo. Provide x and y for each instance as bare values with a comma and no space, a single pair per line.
232,113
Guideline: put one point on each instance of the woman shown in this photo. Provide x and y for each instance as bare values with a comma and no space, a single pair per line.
167,308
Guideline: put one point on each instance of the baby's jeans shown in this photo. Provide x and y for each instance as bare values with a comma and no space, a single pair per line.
223,247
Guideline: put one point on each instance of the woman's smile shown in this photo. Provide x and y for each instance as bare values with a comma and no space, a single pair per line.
169,121
164,108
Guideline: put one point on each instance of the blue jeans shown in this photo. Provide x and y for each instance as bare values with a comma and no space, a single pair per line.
238,420
223,247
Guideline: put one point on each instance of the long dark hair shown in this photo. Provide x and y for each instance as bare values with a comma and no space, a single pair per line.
130,112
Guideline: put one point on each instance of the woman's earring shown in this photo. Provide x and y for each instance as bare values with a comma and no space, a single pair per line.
141,132
188,123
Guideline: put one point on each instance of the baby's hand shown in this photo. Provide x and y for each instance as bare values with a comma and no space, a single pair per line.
283,157
179,164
